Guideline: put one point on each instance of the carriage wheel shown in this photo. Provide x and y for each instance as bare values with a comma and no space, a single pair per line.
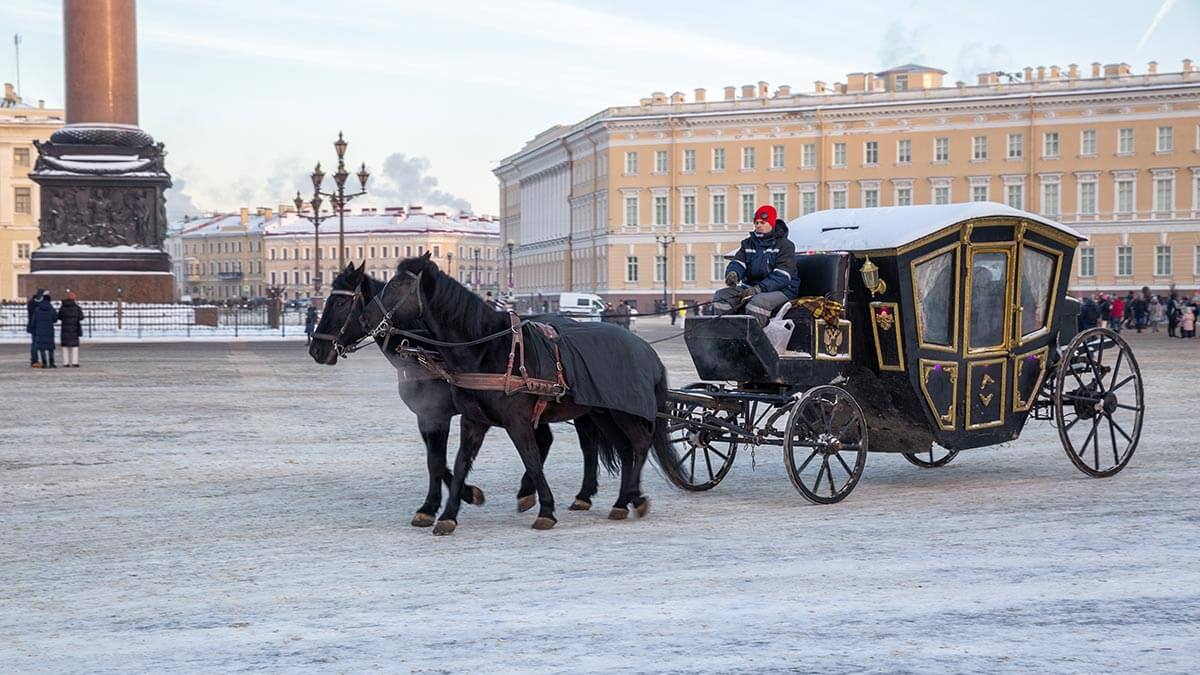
705,455
825,447
937,456
1098,402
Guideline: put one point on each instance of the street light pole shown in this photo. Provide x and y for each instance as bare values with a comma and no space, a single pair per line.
666,240
450,264
338,199
316,218
478,283
511,244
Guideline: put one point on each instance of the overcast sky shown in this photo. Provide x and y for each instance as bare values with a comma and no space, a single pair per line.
248,94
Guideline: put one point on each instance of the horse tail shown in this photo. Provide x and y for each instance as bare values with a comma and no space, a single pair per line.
593,440
664,453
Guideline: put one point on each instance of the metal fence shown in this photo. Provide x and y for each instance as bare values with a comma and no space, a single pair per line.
109,319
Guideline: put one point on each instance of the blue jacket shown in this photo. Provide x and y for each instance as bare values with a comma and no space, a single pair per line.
768,261
44,318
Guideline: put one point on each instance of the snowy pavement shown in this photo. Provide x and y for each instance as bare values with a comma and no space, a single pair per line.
226,507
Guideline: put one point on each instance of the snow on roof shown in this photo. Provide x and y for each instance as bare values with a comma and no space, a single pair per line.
911,68
386,223
890,227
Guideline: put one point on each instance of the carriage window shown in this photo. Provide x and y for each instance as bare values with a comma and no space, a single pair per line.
1037,276
935,288
989,276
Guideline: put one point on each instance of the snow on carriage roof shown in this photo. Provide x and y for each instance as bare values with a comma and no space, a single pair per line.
890,227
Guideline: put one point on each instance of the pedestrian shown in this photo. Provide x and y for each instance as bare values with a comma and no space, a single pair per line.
1089,314
1172,314
1116,314
29,307
1187,322
310,323
1105,306
70,316
1127,314
1158,312
1141,312
44,318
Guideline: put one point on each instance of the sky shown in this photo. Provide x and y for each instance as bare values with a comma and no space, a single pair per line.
248,95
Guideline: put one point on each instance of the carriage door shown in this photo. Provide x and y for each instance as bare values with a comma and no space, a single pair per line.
1037,273
987,334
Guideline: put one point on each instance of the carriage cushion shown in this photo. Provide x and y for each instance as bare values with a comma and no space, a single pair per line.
823,275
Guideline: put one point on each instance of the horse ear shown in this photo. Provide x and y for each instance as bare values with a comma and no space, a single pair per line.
349,268
428,255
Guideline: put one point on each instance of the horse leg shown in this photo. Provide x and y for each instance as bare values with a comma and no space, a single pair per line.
527,494
524,438
434,434
471,435
639,436
588,439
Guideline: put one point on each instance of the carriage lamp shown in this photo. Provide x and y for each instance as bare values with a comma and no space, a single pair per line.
870,275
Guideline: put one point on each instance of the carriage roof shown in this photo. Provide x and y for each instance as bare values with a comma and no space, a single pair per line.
891,227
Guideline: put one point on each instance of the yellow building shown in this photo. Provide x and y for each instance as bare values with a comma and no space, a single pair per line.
240,255
20,126
1114,154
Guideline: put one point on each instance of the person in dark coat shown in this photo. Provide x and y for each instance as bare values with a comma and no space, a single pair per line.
310,323
29,307
44,318
70,316
1089,314
1172,315
1141,311
762,275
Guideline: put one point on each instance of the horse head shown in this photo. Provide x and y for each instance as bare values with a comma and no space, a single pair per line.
341,324
404,297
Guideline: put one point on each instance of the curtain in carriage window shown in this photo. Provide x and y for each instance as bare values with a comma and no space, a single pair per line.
989,284
935,293
1037,279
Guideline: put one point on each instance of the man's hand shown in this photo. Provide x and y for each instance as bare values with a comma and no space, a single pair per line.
731,279
750,291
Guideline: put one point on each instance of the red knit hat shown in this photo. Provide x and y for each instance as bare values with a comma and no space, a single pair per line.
766,212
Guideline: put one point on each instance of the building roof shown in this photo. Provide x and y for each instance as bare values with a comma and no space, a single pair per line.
230,224
889,227
910,68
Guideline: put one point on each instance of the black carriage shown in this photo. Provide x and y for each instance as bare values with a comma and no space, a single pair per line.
921,330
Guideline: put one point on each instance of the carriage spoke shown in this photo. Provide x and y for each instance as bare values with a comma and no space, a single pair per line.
708,462
931,454
1126,406
1096,449
844,464
805,464
1118,426
821,472
1113,435
1123,382
724,458
692,470
1087,440
1072,423
1116,369
829,476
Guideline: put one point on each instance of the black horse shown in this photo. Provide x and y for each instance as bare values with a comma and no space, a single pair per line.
460,321
429,398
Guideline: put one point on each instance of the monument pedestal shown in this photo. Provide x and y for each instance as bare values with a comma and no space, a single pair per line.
129,273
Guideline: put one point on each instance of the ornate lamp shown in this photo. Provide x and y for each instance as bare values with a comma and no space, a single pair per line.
870,276
299,202
340,146
318,177
363,176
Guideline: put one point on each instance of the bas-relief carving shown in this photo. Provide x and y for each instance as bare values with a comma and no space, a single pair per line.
103,216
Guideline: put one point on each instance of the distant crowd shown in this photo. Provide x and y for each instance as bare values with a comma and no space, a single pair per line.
42,318
1141,311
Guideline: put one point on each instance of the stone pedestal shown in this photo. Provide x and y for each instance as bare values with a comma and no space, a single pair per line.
101,273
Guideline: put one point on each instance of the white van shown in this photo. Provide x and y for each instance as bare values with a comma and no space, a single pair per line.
580,306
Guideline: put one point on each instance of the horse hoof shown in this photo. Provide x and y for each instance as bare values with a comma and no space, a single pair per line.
643,508
544,523
618,514
525,503
422,520
444,527
477,497
580,505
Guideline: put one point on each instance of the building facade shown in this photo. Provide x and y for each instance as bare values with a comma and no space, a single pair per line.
20,125
639,200
242,255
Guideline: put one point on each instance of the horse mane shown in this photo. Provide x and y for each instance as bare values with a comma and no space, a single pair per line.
471,314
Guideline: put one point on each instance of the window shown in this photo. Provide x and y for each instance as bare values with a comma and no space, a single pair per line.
718,209
1196,261
372,253
1037,285
660,161
779,201
360,253
839,154
1087,199
936,299
631,163
1162,261
689,160
1016,146
23,251
285,253
941,149
396,252
1125,141
631,268
1124,261
21,156
1087,143
660,210
979,148
901,82
631,211
838,198
274,281
1087,262
285,278
719,264
1050,145
979,193
689,268
1014,195
808,202
408,252
272,254
776,156
22,200
989,279
748,207
904,196
1050,199
871,152
1125,196
718,159
748,161
437,251
808,156
870,198
1166,139
689,209
1164,194
941,194
904,151
660,268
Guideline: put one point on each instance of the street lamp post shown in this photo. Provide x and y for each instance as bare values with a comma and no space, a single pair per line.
338,199
450,264
666,240
511,244
478,282
316,218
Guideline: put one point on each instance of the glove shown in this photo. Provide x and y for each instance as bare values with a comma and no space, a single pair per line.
731,279
750,291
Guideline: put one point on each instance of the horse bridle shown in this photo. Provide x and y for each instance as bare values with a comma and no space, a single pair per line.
384,328
342,349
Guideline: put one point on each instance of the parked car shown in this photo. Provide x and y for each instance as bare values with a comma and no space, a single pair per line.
580,306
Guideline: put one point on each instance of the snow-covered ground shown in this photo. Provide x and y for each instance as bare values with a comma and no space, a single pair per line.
221,507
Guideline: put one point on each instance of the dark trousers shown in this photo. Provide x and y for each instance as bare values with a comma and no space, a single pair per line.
33,355
47,357
1172,324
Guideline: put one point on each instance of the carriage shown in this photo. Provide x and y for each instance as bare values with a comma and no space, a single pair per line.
920,330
